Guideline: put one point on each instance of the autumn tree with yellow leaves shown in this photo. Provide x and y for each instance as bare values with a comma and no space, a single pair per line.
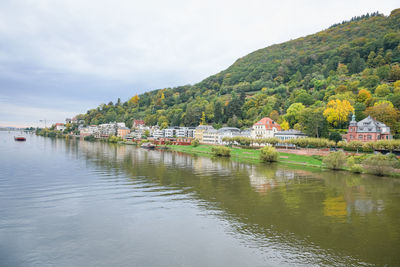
337,111
134,100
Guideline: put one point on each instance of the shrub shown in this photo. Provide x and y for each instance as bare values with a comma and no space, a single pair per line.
356,168
114,139
195,143
335,160
221,151
269,154
89,138
380,164
353,167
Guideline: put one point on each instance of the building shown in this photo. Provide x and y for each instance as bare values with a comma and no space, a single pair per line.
199,131
367,129
210,136
60,126
90,130
158,133
171,131
265,128
137,123
290,134
123,131
227,132
185,132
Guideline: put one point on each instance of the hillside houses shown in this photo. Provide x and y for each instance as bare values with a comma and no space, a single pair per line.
206,134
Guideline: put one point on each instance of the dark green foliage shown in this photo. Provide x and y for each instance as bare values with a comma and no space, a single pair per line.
89,138
335,136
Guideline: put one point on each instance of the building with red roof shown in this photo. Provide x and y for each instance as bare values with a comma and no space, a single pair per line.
265,128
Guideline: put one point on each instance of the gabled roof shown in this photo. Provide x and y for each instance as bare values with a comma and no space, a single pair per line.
369,124
268,123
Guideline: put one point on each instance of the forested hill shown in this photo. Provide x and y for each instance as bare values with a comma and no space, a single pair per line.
291,82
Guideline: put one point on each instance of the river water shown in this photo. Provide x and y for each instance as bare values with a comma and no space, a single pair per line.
77,203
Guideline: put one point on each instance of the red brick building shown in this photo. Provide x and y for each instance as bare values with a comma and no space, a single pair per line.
367,130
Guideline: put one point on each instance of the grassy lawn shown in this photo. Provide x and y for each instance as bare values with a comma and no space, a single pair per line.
250,155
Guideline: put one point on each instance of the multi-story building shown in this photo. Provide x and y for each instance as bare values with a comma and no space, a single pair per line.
210,136
265,128
185,132
123,131
367,129
171,131
227,132
198,133
158,133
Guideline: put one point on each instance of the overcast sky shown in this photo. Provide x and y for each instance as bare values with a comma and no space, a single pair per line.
60,58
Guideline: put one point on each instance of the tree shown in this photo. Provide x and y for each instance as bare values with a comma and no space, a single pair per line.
218,115
285,125
134,100
313,122
359,109
335,136
363,95
293,113
385,112
274,115
337,112
203,119
382,90
394,73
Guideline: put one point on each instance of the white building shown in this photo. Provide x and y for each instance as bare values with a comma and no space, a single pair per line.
185,132
227,132
158,133
265,128
210,136
290,134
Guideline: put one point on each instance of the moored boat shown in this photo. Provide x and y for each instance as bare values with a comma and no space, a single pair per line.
148,145
19,138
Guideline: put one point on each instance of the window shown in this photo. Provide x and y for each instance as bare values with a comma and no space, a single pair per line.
369,137
360,137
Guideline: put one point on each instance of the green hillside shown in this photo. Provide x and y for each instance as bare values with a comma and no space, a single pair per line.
292,82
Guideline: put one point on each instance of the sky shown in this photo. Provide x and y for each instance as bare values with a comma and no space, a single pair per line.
61,58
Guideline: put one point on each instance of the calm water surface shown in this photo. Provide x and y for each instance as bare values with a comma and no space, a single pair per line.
72,203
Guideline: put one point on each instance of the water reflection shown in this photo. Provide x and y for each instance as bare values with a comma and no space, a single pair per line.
310,217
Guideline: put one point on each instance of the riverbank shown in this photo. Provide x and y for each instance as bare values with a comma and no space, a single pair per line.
252,155
314,162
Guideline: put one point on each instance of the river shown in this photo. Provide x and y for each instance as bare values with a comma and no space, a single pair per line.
77,203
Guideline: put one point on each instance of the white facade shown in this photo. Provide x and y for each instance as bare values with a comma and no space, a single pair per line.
227,132
290,134
158,133
60,127
211,137
185,132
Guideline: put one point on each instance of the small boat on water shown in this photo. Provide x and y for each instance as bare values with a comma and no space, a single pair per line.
19,138
148,145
